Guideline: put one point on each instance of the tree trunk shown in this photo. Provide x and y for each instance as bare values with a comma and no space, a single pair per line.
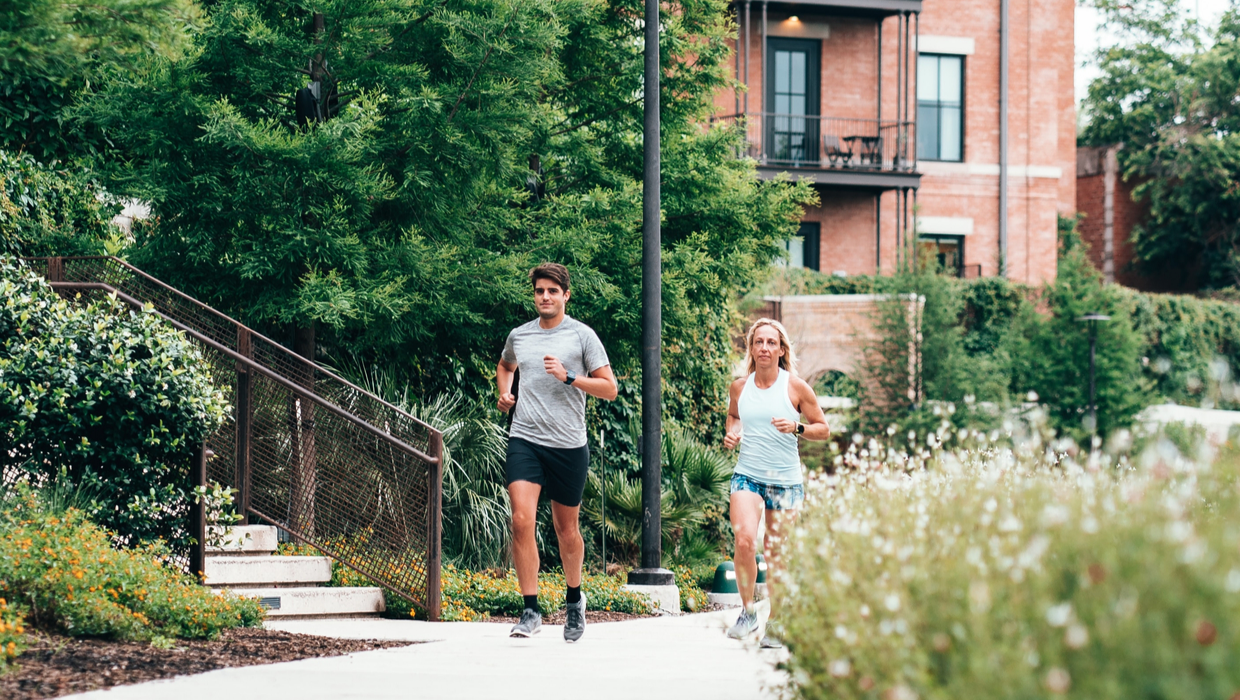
304,479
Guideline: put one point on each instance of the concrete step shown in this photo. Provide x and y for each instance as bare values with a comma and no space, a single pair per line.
311,602
243,539
267,571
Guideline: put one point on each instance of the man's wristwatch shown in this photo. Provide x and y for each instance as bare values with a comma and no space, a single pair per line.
800,428
570,378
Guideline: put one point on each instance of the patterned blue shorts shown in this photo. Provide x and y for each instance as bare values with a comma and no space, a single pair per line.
776,497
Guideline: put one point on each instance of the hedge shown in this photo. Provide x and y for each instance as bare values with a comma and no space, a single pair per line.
1182,337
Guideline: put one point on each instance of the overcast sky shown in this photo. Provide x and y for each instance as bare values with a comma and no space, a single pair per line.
1088,38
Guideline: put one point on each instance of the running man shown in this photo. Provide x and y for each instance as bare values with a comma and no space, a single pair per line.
763,418
561,360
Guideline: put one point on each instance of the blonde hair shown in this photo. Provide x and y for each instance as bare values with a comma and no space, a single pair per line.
788,361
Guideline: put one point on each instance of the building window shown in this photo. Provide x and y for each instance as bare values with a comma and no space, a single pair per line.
803,249
791,123
940,107
947,251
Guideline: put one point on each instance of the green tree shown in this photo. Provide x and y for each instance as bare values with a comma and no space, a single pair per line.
465,143
1167,93
52,210
1049,354
52,49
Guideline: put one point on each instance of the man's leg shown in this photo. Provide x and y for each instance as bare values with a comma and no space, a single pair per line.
572,547
524,497
745,510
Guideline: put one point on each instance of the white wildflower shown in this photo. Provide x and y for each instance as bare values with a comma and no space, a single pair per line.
1058,681
1076,636
1058,615
1233,581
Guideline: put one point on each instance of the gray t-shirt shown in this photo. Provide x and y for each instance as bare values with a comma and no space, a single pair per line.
549,412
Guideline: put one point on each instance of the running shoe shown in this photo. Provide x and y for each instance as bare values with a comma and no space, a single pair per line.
745,625
769,642
530,624
575,620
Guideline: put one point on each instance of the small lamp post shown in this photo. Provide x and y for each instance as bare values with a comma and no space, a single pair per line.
1093,320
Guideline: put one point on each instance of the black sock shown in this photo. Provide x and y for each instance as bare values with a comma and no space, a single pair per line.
573,595
531,602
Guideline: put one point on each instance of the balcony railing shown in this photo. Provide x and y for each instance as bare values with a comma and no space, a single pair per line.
828,143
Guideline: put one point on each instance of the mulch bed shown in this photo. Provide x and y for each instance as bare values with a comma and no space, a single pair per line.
56,665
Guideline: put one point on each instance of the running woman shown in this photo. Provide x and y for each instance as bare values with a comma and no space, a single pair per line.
561,360
763,418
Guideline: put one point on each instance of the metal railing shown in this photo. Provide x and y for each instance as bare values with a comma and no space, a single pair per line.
829,143
335,466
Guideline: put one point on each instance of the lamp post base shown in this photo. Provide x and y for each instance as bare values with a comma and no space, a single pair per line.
657,584
651,577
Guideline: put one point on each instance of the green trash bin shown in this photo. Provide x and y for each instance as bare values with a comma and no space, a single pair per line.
761,569
725,579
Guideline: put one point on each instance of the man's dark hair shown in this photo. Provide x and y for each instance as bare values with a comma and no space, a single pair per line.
554,272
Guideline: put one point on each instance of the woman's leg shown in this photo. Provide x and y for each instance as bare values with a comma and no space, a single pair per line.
745,510
778,523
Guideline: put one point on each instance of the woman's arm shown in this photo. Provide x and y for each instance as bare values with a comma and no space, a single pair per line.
733,436
806,402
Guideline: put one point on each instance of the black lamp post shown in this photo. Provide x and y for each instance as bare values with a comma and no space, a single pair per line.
651,572
1093,320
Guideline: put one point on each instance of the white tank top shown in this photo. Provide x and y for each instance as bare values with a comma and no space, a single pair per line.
768,455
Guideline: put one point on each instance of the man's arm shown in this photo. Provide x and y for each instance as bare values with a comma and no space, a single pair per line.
503,380
601,383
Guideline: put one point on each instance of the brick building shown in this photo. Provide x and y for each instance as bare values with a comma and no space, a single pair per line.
892,108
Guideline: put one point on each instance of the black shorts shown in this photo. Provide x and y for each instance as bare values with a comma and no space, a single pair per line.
561,472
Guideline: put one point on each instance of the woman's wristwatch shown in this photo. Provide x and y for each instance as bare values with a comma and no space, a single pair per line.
800,428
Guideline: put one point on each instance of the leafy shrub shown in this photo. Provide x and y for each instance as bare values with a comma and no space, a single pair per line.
475,594
65,571
12,633
1017,573
111,398
689,582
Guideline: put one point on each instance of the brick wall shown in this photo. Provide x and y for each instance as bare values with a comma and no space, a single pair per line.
1091,186
829,331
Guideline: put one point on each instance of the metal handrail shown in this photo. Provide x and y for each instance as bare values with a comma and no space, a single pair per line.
251,364
234,322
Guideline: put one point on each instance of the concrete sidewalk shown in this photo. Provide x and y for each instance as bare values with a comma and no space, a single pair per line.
685,657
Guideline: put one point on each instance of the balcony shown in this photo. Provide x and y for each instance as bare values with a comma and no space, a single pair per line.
838,151
856,8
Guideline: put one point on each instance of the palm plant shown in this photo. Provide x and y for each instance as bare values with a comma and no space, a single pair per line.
476,529
695,489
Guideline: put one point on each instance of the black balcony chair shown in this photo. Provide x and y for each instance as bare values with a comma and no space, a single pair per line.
837,152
